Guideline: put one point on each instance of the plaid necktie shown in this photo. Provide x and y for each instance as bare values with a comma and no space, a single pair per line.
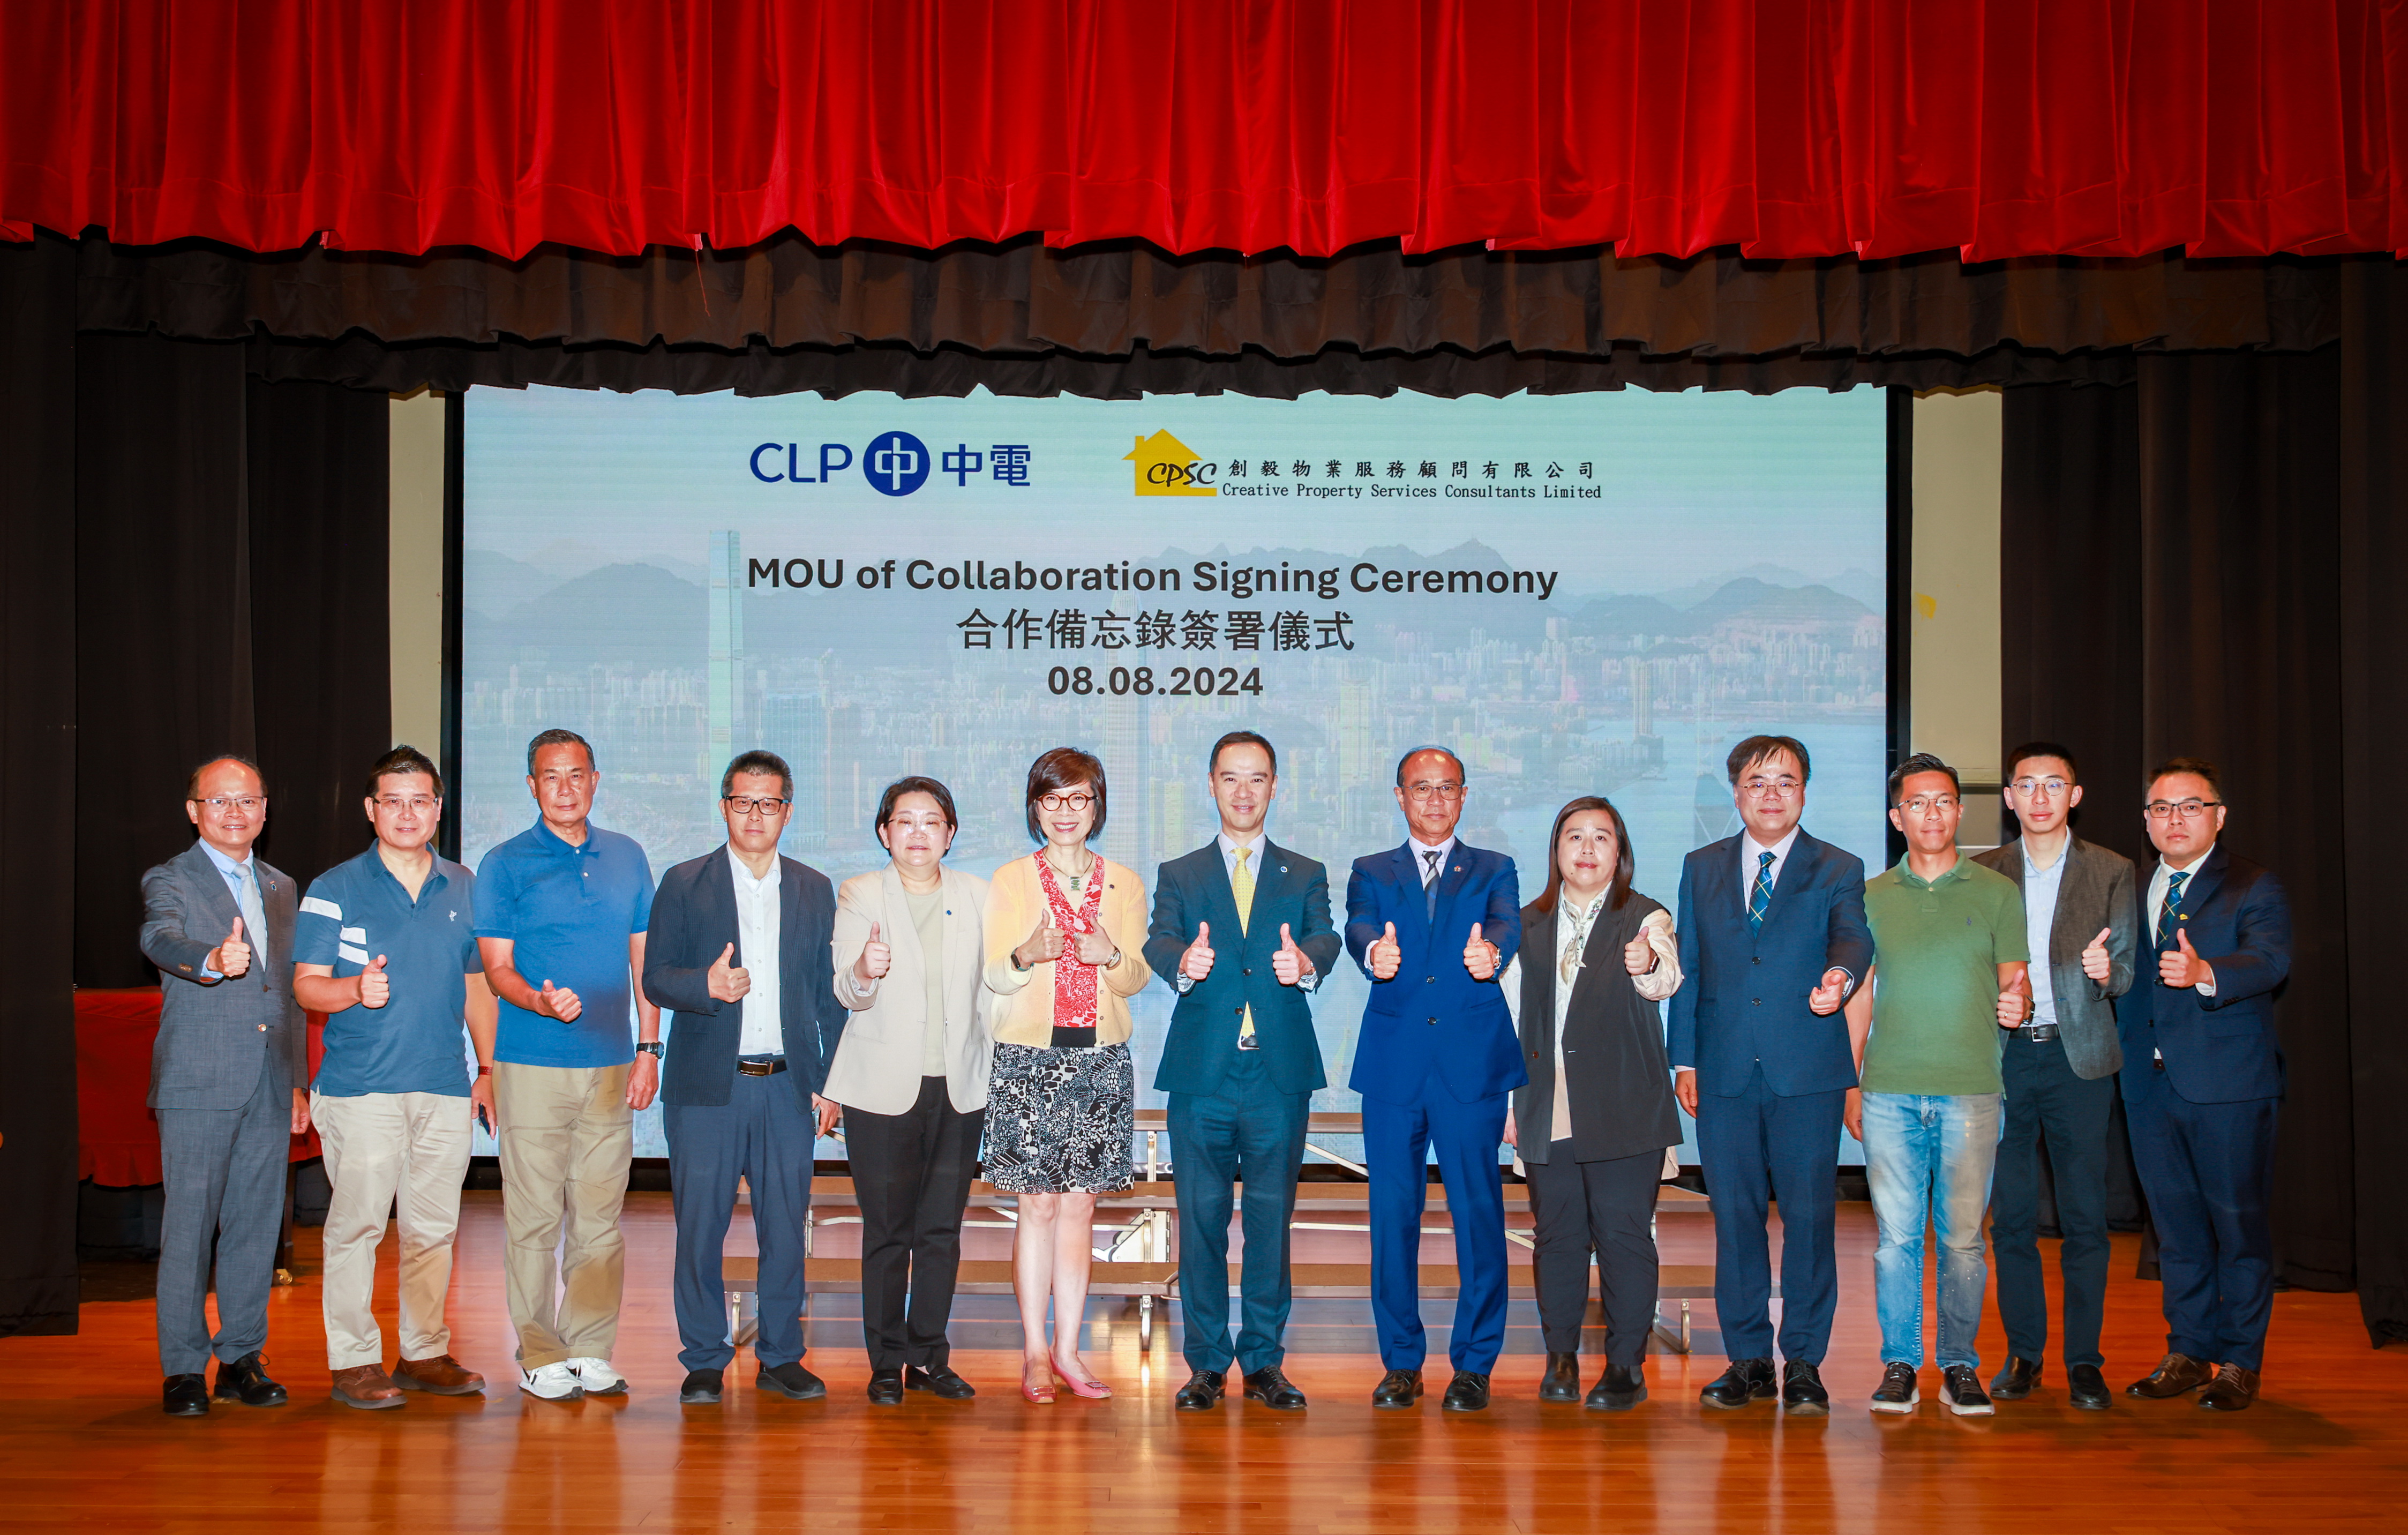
1760,896
2169,913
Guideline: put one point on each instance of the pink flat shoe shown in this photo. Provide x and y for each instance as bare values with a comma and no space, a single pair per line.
1091,1389
1041,1394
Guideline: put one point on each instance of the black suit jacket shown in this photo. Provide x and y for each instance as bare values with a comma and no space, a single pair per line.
693,920
1620,1085
2226,1048
1202,1043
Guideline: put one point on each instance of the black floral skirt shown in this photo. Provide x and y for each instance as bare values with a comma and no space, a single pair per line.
1060,1121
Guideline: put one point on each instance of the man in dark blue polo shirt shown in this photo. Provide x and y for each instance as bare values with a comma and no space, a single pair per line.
385,947
562,909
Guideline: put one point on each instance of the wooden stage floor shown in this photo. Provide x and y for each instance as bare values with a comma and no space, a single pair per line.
84,1448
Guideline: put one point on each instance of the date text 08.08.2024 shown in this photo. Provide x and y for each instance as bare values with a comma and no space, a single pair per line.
1142,681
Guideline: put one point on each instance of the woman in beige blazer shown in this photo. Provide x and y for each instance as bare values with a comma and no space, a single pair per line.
1065,936
911,1074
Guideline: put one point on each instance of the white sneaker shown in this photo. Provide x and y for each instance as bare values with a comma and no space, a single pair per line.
553,1383
598,1377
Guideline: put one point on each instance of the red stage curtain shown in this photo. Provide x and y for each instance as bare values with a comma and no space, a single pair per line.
1784,128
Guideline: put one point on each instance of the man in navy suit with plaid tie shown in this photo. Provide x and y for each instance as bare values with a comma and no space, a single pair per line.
2202,1080
1773,938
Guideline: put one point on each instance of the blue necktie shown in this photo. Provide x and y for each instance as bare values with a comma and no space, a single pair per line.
1429,887
1760,896
2167,913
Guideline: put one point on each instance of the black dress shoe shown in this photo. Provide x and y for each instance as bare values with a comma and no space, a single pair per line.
886,1387
1202,1392
792,1380
1275,1390
2176,1375
1620,1388
1745,1381
246,1381
701,1387
185,1397
1467,1393
1398,1388
1801,1390
939,1380
2015,1381
1561,1382
2085,1388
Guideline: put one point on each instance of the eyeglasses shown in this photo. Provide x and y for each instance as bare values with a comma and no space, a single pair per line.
1435,791
1926,804
415,804
1783,787
1076,800
2189,810
748,805
246,804
2042,788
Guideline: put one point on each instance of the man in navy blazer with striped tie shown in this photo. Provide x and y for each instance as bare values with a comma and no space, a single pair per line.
1773,939
1433,923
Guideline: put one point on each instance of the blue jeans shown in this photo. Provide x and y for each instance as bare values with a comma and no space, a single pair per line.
1929,1158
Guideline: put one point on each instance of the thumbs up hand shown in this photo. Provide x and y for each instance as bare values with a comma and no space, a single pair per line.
1290,964
2096,964
232,957
726,981
375,987
1196,961
2181,967
1824,1000
1384,954
1639,956
560,1002
2014,1008
877,958
1045,943
1480,956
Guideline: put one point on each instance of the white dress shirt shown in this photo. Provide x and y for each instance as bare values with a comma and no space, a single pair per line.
2157,883
1180,980
2040,886
1750,851
1421,864
757,946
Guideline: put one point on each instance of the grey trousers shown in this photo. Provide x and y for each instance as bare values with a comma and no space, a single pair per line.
225,1179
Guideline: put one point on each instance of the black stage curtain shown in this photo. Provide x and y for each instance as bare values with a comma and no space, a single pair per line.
37,766
232,592
1114,321
2193,565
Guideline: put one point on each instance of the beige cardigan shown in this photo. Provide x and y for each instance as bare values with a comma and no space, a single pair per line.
1023,1012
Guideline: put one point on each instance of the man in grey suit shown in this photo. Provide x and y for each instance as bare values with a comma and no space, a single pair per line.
228,1084
2059,1068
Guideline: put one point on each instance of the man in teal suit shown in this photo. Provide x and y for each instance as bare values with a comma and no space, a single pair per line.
1241,1065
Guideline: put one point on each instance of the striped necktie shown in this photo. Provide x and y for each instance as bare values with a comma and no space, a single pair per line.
1241,884
1429,886
1760,897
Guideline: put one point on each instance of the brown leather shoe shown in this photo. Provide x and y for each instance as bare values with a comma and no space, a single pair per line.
2232,1390
440,1376
2176,1374
366,1387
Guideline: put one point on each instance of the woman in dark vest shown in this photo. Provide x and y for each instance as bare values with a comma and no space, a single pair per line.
1593,1125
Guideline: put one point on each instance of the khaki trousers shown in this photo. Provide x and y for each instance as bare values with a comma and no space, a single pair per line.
386,1151
567,1134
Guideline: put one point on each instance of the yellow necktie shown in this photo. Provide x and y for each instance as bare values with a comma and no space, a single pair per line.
1241,884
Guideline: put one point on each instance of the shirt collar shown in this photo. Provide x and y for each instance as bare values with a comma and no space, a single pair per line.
1253,849
1445,850
2032,870
746,876
2165,869
1956,870
374,859
226,866
544,834
1583,913
1780,850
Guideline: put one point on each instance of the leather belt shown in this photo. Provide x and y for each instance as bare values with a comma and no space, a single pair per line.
2035,1033
1250,1041
769,1067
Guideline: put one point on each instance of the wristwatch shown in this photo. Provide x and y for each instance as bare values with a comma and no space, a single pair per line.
649,1047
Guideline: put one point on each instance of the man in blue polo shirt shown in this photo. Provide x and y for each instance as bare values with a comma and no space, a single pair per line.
385,947
562,909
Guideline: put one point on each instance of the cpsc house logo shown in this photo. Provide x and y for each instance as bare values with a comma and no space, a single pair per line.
1167,467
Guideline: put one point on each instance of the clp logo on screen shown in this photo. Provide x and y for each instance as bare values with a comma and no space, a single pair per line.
894,463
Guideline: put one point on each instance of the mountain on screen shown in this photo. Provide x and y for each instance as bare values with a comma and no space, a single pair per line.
1744,601
593,619
1863,586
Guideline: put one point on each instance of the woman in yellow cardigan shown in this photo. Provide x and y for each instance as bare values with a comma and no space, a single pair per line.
1065,940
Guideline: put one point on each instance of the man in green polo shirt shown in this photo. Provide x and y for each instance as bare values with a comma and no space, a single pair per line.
1949,951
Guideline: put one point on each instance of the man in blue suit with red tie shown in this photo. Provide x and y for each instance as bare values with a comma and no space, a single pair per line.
1434,923
1773,938
2202,1080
